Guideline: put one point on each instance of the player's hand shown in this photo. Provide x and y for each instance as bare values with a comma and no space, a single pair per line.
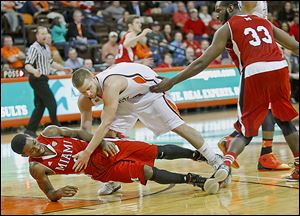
163,86
68,70
146,31
81,160
37,73
67,191
109,148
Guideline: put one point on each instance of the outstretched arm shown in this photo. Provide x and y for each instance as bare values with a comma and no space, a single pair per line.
40,173
213,51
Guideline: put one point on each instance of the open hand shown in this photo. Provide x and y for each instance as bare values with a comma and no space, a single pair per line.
81,160
109,148
67,191
163,86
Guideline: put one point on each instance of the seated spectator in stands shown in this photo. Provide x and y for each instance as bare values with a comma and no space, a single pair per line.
286,27
196,25
152,7
69,7
8,7
189,56
54,52
143,53
109,60
168,7
214,24
73,61
181,16
90,18
58,32
167,33
178,49
294,27
135,8
115,10
122,26
190,42
190,5
111,46
204,15
272,19
12,54
287,13
168,61
79,34
204,45
88,64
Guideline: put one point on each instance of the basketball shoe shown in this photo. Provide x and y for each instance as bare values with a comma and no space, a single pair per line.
217,162
222,173
208,185
269,162
109,188
294,177
223,145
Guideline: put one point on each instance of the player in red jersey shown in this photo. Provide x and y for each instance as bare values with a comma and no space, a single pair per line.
127,45
115,160
267,159
264,79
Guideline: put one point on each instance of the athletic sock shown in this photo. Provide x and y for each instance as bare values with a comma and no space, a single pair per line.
207,152
229,158
166,177
266,146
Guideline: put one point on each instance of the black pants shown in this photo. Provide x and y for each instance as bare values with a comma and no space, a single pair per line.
43,97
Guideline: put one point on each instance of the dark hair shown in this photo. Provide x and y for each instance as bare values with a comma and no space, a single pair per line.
18,143
131,18
55,22
227,3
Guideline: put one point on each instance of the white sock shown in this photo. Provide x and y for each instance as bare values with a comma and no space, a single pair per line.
207,152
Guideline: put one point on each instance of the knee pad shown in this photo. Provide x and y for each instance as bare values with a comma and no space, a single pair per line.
287,128
247,140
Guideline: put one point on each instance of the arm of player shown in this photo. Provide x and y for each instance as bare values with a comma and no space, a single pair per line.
86,117
111,102
213,51
40,174
286,40
131,39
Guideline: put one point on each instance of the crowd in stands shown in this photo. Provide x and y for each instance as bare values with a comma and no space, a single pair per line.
87,32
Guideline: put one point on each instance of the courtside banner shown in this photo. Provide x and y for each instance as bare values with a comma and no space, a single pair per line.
214,86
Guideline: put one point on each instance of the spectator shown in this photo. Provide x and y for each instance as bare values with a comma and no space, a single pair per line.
168,7
214,24
73,61
115,10
12,54
142,49
109,60
178,49
204,15
111,46
122,26
190,42
134,8
272,19
286,27
11,15
168,61
58,33
55,55
190,5
152,7
204,45
294,28
195,25
181,16
88,64
189,56
79,34
287,13
167,33
69,7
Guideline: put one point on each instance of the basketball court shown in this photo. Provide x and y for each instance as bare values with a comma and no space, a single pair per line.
251,192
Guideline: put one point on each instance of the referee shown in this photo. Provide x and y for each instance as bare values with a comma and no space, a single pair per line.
37,63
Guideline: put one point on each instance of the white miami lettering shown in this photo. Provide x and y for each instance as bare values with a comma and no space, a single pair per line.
66,156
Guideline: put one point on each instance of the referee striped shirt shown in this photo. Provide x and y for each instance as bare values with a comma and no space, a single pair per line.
39,56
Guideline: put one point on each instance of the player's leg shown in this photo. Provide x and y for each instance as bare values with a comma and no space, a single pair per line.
171,152
284,112
267,159
166,177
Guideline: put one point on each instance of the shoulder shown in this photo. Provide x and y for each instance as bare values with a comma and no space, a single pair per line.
51,131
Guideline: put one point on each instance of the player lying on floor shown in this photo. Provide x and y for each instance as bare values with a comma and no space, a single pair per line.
114,160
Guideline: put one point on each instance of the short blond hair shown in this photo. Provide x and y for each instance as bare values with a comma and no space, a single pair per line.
80,75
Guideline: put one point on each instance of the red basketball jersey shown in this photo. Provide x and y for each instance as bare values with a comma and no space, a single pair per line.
124,54
253,41
64,147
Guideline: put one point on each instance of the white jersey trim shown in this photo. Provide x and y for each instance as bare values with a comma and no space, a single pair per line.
261,67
